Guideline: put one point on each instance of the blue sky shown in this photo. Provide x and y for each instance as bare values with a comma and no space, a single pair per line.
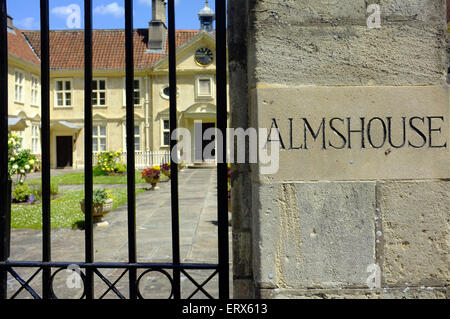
108,14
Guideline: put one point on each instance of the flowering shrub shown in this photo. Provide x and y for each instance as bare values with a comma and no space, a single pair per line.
20,162
109,163
165,169
152,173
22,193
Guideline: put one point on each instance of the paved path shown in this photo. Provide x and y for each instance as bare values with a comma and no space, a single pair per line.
198,238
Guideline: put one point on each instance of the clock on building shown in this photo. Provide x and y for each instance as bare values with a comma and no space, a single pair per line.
204,56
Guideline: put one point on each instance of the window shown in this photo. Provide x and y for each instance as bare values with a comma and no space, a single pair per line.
137,85
35,147
137,137
34,90
99,138
165,92
99,92
165,133
18,88
204,87
63,93
137,92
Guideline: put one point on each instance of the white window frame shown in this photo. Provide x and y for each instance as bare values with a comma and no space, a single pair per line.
35,139
64,92
98,137
140,90
164,130
19,86
199,78
35,91
98,91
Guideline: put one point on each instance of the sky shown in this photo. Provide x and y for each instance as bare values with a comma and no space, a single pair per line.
107,14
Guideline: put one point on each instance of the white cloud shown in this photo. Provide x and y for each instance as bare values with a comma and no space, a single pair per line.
26,23
62,12
113,9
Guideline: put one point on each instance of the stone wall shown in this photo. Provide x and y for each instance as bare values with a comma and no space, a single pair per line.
314,229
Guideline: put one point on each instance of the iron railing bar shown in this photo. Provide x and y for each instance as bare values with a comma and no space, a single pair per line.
222,169
30,264
174,164
19,279
88,174
4,146
129,65
45,136
24,285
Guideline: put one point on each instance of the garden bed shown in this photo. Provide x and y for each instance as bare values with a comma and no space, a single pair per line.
65,210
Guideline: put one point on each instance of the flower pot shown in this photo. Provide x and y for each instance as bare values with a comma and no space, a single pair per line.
152,181
99,210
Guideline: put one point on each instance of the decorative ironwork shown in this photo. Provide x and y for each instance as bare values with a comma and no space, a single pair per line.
89,266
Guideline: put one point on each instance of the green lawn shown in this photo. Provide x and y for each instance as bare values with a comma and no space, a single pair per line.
65,210
78,179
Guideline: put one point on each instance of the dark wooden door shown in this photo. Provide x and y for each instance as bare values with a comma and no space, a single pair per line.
64,151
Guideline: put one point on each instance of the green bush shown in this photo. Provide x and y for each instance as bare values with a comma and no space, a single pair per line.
21,193
100,196
120,168
97,171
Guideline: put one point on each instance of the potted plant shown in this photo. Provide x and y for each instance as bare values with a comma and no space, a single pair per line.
152,176
102,204
165,169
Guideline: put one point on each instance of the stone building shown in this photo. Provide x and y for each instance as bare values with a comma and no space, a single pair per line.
195,86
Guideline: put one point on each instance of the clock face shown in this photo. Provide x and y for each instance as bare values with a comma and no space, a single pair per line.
204,56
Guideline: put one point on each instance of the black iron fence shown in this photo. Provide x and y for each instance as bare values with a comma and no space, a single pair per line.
89,268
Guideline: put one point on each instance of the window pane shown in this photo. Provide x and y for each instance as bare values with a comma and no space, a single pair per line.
59,86
94,85
204,87
103,144
166,91
136,131
136,84
68,99
137,98
166,124
102,85
166,138
102,98
102,130
59,97
95,145
94,98
137,143
68,86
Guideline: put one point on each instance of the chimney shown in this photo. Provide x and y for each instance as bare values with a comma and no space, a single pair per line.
157,27
10,22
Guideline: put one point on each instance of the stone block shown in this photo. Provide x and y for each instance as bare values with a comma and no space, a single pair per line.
315,234
407,293
415,232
